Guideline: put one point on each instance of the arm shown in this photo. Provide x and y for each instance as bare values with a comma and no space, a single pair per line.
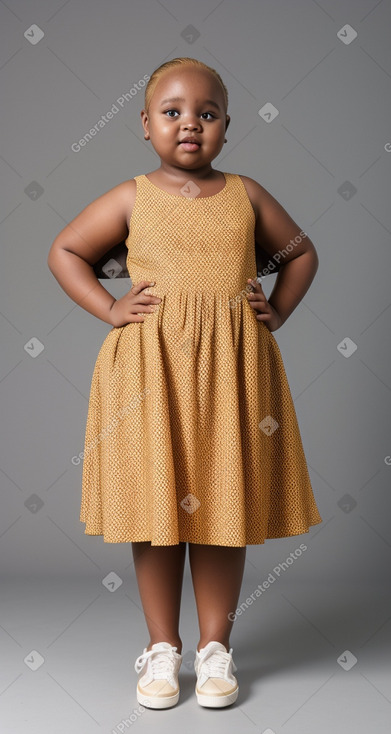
100,226
280,237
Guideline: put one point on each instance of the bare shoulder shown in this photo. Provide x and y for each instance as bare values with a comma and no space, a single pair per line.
123,196
266,207
129,190
257,194
117,202
100,225
274,226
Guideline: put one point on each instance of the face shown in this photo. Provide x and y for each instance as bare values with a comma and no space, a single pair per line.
199,113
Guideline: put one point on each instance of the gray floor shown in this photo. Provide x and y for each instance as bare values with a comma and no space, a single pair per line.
68,648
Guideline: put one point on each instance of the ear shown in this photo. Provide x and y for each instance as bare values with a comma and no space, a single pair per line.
228,120
144,120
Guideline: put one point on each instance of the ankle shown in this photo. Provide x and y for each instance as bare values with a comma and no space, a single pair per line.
174,643
203,643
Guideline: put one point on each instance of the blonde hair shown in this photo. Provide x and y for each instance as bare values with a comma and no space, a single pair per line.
180,62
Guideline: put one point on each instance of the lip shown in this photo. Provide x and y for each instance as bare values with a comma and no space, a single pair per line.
190,147
190,140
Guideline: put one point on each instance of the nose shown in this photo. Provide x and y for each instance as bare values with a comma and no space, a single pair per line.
190,125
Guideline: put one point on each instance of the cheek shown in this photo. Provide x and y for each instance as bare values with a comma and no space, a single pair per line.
162,129
165,129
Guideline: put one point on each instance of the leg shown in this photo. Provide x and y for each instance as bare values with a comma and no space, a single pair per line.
217,573
159,572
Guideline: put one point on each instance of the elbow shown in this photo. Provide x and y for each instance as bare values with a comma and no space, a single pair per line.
312,254
315,260
53,254
50,261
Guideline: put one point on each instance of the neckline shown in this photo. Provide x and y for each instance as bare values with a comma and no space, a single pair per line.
189,198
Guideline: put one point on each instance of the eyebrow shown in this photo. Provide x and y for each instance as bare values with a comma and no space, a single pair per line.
180,99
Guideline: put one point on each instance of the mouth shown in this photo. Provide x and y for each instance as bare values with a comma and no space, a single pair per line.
190,144
190,139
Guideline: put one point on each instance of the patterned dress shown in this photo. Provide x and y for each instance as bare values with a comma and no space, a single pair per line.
191,432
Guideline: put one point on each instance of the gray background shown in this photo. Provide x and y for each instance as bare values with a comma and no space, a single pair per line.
326,157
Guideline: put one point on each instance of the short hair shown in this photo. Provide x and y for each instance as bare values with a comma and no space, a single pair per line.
180,62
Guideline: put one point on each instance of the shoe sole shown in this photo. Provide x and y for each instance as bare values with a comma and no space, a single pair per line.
217,701
157,702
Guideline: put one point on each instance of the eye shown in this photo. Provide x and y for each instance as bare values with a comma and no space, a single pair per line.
167,112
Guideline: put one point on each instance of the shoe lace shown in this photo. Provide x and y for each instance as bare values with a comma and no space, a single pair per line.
160,661
215,664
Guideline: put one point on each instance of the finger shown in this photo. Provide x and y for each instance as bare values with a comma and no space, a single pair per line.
255,284
140,309
263,310
256,295
263,317
147,299
138,287
133,318
262,306
259,306
257,299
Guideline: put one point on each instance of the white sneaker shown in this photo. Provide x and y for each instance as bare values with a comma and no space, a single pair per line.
216,685
157,686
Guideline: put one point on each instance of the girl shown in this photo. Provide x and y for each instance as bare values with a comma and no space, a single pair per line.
191,434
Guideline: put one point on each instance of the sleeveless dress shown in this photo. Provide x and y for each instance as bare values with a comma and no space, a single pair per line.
191,431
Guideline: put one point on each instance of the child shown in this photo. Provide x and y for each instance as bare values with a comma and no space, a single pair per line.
191,434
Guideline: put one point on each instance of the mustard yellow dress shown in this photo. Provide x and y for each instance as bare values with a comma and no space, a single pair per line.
191,432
